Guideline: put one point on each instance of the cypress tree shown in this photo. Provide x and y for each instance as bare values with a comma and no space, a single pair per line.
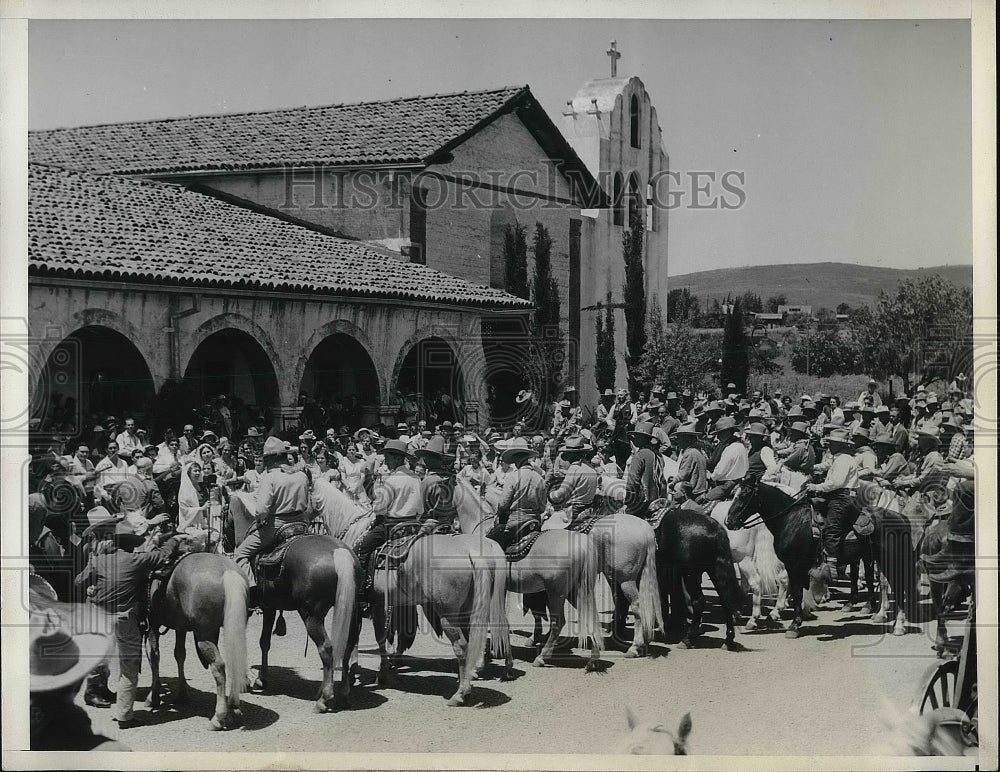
634,296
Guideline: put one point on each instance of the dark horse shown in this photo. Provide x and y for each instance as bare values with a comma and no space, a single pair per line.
319,573
789,518
688,546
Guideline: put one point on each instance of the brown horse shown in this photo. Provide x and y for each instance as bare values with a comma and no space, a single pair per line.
562,564
455,583
319,573
204,594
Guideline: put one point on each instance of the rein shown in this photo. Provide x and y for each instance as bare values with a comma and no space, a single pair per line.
757,518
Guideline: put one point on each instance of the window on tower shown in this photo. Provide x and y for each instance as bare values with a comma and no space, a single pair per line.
634,120
619,201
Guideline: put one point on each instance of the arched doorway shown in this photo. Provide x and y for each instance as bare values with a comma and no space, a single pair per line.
93,372
233,363
340,378
431,371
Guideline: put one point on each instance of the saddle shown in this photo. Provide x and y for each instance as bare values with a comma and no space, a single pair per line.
391,555
585,521
268,563
524,538
157,584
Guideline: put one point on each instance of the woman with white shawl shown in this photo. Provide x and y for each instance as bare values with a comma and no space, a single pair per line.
192,508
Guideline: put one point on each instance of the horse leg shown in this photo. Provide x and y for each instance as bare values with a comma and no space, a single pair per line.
869,563
208,653
941,629
692,582
782,602
460,644
882,614
623,601
385,667
266,626
317,631
752,575
557,618
629,593
795,590
153,654
855,564
180,654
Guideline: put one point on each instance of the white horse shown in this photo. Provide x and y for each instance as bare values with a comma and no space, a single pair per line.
652,738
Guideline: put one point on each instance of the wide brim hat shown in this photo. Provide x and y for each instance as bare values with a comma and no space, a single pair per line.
253,431
576,445
608,393
726,424
523,396
715,407
58,658
839,436
860,433
208,437
884,439
642,429
689,429
124,533
98,518
799,426
515,454
757,430
654,404
274,447
307,436
881,409
398,447
661,437
671,396
433,454
794,412
363,432
928,435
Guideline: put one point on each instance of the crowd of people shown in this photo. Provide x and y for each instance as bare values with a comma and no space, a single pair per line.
124,508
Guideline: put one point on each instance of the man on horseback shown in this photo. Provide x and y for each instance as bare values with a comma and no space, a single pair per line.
728,464
396,499
799,456
839,488
645,470
520,510
437,489
577,490
283,498
691,479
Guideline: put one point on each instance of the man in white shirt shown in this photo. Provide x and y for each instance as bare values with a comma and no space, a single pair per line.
731,461
128,440
839,487
110,470
870,395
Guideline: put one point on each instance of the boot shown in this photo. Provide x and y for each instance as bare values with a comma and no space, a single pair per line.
956,561
253,597
95,699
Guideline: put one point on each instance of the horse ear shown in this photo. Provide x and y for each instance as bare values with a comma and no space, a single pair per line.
630,717
685,729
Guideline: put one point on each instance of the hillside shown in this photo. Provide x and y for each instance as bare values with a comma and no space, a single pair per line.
817,284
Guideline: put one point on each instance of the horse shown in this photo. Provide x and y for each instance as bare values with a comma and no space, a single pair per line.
689,544
627,556
319,573
753,553
562,564
456,584
652,738
205,593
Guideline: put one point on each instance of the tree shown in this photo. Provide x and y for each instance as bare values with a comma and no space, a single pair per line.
735,359
605,364
515,256
923,328
775,301
825,352
843,308
677,357
751,302
634,298
681,304
545,295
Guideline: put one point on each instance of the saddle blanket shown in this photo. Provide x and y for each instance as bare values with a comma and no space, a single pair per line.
523,539
401,540
585,521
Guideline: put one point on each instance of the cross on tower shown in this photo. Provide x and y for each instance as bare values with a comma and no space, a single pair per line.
615,56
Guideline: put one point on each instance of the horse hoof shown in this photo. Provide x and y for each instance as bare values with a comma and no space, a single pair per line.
865,610
215,725
633,652
539,662
730,646
685,644
593,666
899,630
457,701
507,676
320,707
750,626
791,633
848,606
879,617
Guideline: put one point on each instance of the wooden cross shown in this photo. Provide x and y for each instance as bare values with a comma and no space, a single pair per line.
615,56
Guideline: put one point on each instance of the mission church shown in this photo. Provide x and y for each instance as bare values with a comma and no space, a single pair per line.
355,249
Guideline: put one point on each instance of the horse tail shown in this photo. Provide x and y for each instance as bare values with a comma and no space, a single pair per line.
765,560
234,633
726,583
342,615
482,586
499,625
586,601
650,610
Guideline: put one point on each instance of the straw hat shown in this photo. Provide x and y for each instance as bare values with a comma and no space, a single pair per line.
726,424
98,517
642,429
799,426
756,429
274,447
58,658
840,437
688,429
523,396
576,446
516,454
398,447
433,454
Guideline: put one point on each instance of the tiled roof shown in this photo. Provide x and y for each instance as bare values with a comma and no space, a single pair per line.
397,131
116,228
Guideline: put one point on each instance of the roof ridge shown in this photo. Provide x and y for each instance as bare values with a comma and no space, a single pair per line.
112,176
515,89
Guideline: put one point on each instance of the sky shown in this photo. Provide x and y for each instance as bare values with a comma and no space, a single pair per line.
854,137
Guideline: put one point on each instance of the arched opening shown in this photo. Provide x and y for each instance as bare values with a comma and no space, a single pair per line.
500,220
618,203
92,373
430,370
233,363
636,208
340,385
633,114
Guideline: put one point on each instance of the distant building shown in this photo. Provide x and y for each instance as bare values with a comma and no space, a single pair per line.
795,310
770,320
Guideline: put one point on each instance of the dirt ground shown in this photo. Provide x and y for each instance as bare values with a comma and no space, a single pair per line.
816,695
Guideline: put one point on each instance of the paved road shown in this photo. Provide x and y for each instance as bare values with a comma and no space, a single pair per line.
817,695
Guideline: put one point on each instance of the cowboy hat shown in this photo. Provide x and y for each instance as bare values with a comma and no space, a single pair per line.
516,454
671,395
883,439
799,426
58,658
523,396
274,447
397,447
660,436
794,412
362,433
642,429
654,404
809,405
726,424
253,431
608,393
756,429
881,409
715,407
928,434
860,432
840,436
576,445
565,404
433,454
569,390
208,436
687,429
97,518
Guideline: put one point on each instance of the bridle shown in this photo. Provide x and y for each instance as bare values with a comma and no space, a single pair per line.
757,518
